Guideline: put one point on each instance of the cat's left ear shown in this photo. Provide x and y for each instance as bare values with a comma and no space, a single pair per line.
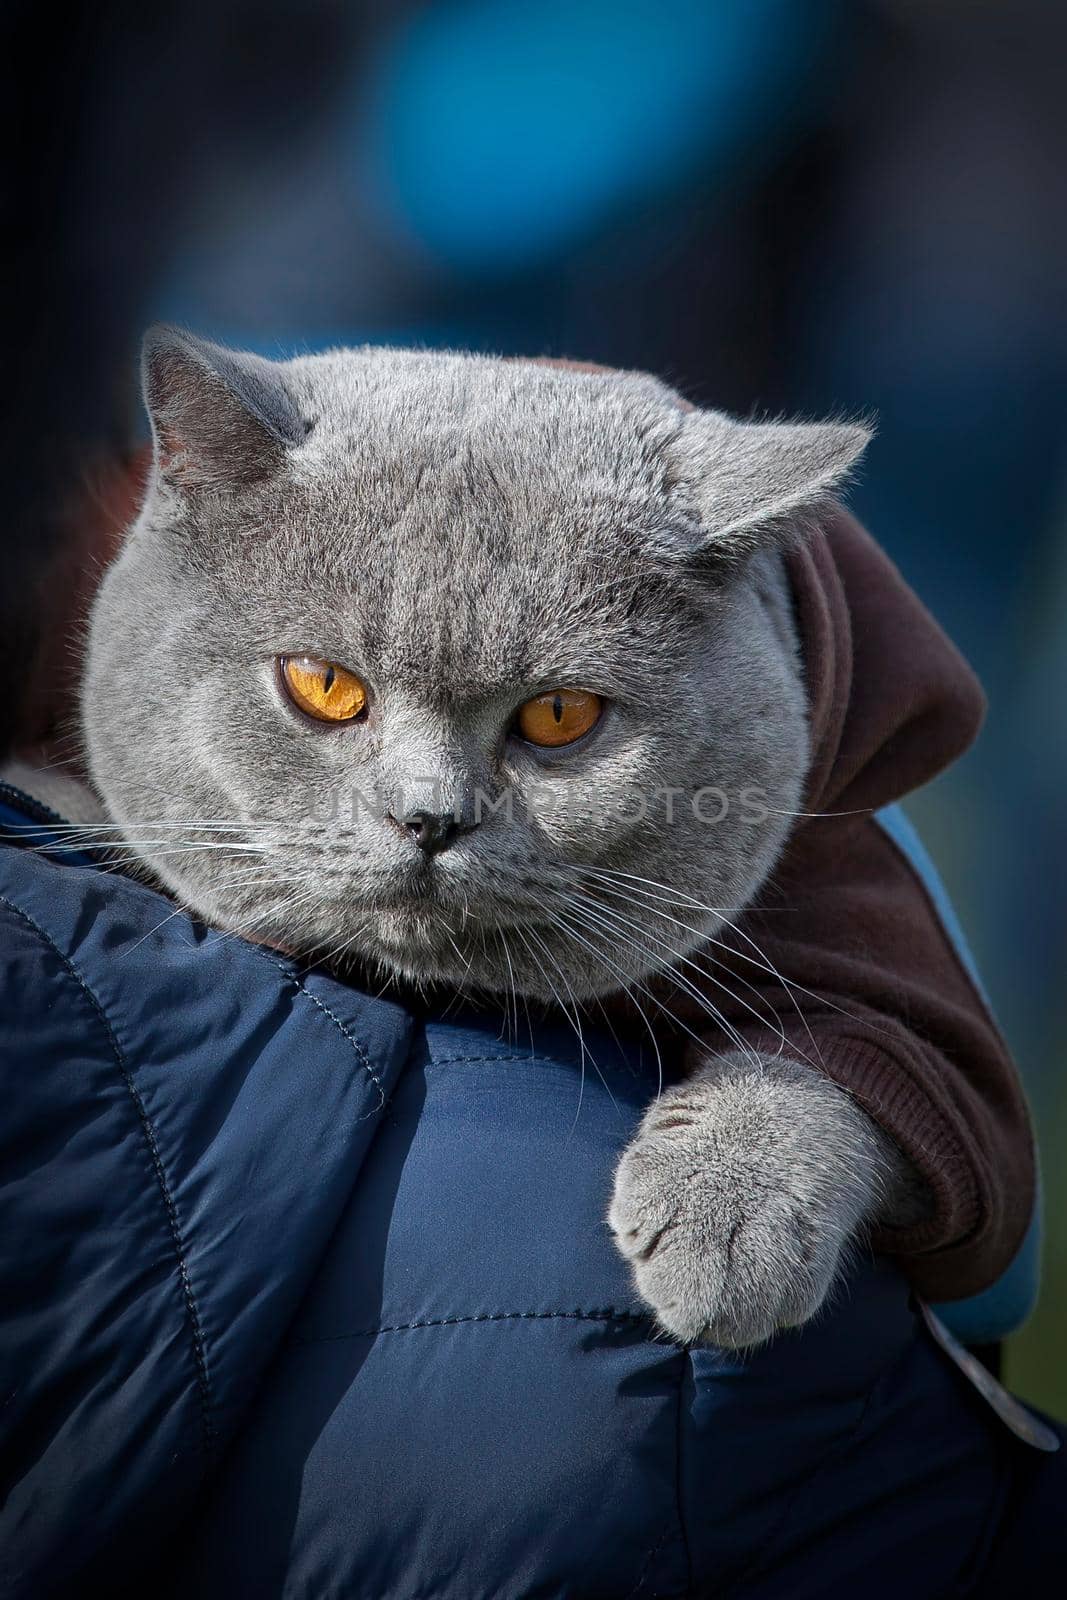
755,483
219,417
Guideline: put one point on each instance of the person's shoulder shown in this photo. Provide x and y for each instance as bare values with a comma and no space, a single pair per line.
46,923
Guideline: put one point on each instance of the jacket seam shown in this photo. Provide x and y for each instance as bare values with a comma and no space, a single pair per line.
646,1565
361,1054
452,1061
294,978
607,1315
203,1381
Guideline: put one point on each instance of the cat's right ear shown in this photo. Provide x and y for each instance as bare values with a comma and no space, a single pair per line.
755,484
219,417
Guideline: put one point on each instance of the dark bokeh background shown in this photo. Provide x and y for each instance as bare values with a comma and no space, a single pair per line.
796,206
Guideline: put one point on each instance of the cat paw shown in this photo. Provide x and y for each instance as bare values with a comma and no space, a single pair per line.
738,1197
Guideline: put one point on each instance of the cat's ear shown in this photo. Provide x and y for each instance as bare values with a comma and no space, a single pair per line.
219,417
754,483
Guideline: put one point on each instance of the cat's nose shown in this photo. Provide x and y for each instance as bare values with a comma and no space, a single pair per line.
431,830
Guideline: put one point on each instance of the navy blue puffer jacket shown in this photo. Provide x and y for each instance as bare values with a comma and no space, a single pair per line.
306,1297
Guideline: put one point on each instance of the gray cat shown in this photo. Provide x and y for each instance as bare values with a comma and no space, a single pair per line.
485,671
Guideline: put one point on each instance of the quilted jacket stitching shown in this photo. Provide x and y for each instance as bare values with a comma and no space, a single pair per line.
203,1382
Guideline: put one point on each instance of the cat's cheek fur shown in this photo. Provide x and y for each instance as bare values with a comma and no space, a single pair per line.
738,1199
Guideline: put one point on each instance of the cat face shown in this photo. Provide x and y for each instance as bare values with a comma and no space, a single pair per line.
475,670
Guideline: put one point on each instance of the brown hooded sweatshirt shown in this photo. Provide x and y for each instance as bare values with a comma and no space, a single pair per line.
878,996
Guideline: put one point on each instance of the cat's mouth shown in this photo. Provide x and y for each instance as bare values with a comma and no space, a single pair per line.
427,905
426,892
426,911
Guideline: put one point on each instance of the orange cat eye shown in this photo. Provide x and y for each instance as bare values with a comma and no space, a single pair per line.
323,689
559,717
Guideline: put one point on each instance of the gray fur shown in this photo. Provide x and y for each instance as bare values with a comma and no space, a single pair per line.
742,1192
218,416
464,533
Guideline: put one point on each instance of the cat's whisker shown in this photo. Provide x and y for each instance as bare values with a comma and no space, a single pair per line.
616,927
465,962
677,896
551,912
243,881
121,828
157,846
614,930
761,961
511,993
283,904
576,1014
772,1021
763,964
625,984
335,954
163,848
787,984
861,811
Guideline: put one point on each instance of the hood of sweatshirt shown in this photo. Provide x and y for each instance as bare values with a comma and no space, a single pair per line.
892,702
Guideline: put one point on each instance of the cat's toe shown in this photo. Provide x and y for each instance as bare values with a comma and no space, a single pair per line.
738,1197
721,1253
716,1278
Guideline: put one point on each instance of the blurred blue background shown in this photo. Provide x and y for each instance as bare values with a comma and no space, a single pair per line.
799,206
